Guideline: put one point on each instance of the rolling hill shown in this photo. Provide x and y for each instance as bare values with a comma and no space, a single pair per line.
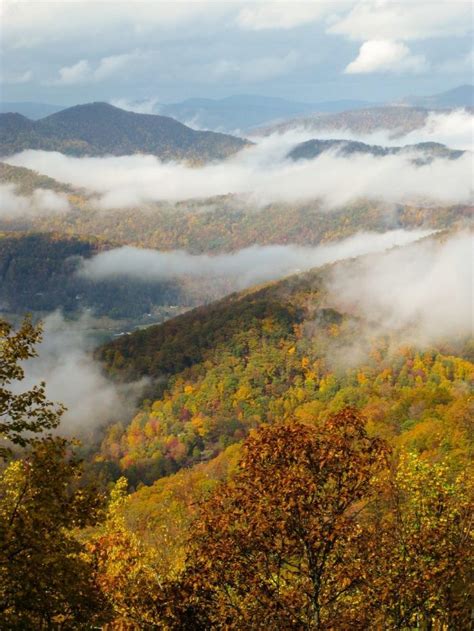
97,129
282,350
311,149
26,181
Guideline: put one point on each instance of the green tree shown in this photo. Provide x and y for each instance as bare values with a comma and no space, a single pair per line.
418,548
28,413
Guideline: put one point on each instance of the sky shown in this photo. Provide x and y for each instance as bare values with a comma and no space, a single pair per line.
71,51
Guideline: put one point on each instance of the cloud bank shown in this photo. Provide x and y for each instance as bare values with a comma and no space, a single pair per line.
454,129
245,267
424,291
383,55
263,172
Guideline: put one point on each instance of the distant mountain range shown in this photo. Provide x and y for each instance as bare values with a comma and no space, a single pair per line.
462,96
247,111
427,150
244,113
99,128
240,112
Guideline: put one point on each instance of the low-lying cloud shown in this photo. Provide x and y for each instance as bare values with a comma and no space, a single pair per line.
245,267
455,129
424,291
263,174
73,378
41,202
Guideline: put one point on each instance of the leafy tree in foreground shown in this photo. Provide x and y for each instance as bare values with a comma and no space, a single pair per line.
418,548
276,547
314,531
125,567
28,412
46,579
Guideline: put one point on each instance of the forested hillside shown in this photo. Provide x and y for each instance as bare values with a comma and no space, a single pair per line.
270,410
274,353
98,129
236,316
229,223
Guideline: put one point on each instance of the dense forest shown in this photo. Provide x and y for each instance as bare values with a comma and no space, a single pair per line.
290,464
276,353
229,223
398,119
319,500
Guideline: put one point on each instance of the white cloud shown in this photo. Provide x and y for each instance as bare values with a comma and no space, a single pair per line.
41,202
73,378
404,19
454,129
147,106
77,73
30,23
385,56
84,72
109,66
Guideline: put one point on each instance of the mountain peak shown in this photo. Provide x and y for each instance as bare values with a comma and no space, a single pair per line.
100,128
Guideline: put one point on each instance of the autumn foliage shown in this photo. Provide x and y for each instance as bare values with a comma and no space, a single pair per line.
276,544
321,527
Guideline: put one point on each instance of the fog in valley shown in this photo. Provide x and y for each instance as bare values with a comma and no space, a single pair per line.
264,174
245,267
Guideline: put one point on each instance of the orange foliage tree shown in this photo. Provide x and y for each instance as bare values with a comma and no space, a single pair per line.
276,546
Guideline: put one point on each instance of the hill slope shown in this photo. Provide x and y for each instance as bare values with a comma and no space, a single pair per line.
99,128
26,181
279,351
